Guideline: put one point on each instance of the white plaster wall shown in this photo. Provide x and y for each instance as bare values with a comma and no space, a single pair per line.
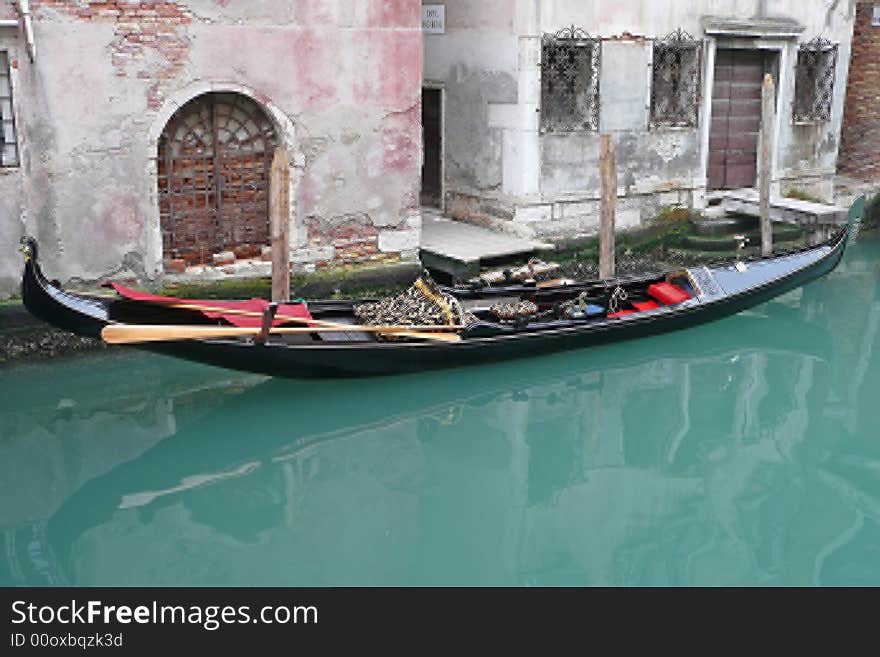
11,226
547,169
659,17
800,151
476,61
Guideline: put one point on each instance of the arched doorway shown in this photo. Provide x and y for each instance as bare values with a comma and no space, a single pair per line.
215,154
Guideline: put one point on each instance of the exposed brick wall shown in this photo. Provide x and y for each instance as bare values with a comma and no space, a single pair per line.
860,142
354,238
143,28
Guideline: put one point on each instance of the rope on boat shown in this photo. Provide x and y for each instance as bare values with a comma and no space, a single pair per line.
617,296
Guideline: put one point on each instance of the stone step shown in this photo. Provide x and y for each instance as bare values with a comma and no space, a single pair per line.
789,210
458,248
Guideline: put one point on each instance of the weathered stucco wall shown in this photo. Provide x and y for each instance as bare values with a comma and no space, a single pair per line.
801,150
548,183
341,80
476,61
10,232
10,189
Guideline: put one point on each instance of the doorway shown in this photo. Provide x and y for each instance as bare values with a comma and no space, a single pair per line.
213,164
432,142
734,132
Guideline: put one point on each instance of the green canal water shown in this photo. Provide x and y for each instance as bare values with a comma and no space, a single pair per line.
745,452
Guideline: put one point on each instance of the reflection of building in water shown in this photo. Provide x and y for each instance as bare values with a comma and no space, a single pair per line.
849,303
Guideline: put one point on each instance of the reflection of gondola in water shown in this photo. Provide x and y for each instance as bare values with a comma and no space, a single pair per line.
236,470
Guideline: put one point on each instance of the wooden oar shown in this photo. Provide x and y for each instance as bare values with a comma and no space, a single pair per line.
132,333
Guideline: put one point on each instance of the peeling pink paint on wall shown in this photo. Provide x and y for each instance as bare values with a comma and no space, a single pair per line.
142,29
395,13
315,12
121,221
393,74
307,194
403,70
401,140
316,79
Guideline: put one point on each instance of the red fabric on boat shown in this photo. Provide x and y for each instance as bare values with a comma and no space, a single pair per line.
621,313
642,306
668,293
253,305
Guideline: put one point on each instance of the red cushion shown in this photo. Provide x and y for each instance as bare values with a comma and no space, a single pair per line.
668,293
621,313
642,306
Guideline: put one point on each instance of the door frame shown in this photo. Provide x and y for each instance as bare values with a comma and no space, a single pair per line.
778,47
286,132
440,86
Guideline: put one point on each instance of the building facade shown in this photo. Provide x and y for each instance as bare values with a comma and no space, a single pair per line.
528,86
138,134
860,148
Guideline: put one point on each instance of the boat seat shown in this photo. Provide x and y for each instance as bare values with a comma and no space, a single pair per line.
637,307
668,294
347,336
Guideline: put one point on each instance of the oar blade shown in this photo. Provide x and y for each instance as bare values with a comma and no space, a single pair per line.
140,333
135,333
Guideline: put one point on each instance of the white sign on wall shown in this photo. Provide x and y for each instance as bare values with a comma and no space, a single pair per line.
434,19
876,21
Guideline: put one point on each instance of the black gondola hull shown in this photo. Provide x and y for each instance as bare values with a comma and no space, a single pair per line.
729,292
375,359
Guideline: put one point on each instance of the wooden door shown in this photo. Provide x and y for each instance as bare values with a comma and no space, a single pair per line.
214,160
736,119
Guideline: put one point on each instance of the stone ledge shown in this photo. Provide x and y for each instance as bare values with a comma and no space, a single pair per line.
762,28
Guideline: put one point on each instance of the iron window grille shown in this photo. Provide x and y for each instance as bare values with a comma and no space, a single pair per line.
814,81
8,141
676,76
570,61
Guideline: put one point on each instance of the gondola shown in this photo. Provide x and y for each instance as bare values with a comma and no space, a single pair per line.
608,311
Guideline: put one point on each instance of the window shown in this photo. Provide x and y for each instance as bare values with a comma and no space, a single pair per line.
814,81
8,143
570,81
875,21
675,87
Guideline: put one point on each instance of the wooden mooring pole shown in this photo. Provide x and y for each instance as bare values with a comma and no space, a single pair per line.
609,206
279,224
768,120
